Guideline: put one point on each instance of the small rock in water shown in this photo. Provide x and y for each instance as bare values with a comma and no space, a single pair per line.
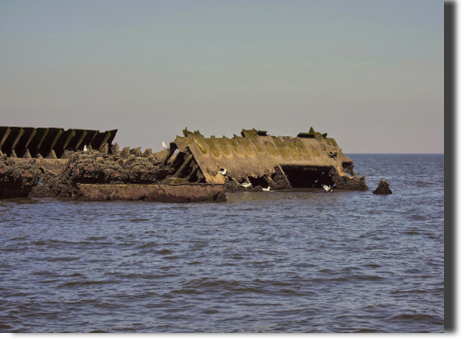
383,188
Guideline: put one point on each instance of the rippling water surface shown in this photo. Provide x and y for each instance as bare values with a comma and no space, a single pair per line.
261,262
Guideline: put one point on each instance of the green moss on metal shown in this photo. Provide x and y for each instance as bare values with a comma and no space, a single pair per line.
281,148
178,180
301,148
258,146
315,152
292,149
223,144
331,141
186,141
236,145
253,136
246,146
200,146
210,143
271,149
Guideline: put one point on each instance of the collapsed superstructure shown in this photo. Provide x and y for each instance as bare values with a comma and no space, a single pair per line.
54,162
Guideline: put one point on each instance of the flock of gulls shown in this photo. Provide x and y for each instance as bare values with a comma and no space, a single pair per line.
246,185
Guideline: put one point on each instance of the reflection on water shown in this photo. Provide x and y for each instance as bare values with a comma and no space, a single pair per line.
261,262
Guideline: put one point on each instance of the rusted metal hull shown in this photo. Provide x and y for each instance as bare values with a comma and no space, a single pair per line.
308,160
163,193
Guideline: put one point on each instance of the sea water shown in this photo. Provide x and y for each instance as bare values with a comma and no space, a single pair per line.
303,261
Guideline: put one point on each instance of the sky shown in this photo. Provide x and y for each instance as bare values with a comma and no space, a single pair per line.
370,73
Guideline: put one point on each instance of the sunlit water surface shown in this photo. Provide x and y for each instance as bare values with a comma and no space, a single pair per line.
261,262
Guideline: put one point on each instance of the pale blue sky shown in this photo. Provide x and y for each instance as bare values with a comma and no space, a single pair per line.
370,73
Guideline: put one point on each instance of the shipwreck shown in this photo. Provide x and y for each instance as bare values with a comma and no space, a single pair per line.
84,163
281,162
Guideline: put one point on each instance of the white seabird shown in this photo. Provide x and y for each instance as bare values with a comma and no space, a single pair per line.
266,189
85,148
164,145
327,188
222,171
246,184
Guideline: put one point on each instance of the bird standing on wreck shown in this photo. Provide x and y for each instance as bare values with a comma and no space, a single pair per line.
266,189
163,144
327,188
246,185
222,171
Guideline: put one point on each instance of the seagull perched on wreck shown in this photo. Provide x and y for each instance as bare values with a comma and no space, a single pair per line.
223,171
85,148
327,188
246,185
163,144
266,189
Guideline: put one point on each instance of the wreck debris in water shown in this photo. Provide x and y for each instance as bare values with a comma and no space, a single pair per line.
55,165
308,160
51,142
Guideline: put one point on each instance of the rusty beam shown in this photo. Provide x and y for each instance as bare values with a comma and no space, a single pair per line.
183,167
72,133
90,136
100,140
35,143
11,139
21,146
4,132
49,141
77,139
63,141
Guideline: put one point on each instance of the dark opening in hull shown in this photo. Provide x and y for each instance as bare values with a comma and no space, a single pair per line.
307,176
